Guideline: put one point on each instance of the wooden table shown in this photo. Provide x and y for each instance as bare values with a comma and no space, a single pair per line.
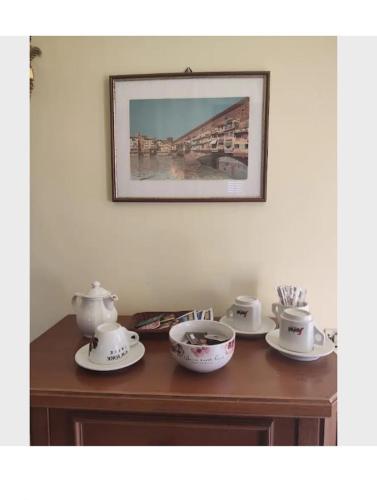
259,398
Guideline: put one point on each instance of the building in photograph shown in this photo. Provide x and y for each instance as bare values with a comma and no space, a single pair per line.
134,145
146,145
227,132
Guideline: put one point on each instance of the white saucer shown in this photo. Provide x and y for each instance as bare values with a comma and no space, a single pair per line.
135,353
266,326
272,338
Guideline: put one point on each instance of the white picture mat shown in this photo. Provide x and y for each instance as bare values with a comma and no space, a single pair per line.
175,88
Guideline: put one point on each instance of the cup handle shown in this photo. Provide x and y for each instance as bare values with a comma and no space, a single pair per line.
133,337
275,308
319,337
229,312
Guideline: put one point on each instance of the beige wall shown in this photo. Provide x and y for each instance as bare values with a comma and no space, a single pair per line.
173,256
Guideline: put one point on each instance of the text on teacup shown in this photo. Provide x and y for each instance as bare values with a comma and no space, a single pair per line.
295,329
242,313
117,354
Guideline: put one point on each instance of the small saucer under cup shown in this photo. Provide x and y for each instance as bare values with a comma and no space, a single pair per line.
135,353
267,325
318,351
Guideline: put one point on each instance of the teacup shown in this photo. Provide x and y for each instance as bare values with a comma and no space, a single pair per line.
278,309
246,313
111,343
297,331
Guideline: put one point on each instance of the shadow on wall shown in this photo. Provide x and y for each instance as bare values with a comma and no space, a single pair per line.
49,291
193,264
222,296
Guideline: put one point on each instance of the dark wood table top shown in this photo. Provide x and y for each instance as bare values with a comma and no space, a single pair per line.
257,381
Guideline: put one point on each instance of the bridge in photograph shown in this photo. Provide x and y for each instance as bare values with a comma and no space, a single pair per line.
225,135
213,158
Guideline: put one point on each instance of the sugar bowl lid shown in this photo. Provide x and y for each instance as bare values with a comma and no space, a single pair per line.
97,291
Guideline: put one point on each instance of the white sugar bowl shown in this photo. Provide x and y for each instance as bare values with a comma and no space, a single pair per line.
93,308
205,358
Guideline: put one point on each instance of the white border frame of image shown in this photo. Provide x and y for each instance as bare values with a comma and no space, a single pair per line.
15,241
356,362
342,470
357,241
251,86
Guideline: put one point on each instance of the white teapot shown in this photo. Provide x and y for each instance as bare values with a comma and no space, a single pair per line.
94,308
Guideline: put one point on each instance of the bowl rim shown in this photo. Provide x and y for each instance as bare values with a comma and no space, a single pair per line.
233,337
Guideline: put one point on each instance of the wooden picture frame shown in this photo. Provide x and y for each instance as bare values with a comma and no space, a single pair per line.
185,137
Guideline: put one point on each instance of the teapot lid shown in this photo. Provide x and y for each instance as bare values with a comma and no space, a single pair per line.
97,292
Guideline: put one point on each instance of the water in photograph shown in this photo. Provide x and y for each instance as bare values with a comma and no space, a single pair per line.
168,167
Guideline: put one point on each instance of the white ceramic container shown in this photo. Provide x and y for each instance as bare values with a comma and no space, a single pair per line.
205,358
297,331
94,308
111,343
278,309
245,313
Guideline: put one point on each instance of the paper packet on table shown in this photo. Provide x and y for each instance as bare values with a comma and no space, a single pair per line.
186,317
204,338
163,321
167,320
205,314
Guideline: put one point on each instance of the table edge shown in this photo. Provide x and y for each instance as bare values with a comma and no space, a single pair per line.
183,404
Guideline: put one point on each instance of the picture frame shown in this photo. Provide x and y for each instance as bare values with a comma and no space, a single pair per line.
189,137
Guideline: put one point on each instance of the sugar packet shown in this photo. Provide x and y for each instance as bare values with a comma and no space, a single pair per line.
205,314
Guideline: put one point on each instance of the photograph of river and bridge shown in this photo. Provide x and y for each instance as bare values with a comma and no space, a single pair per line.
189,139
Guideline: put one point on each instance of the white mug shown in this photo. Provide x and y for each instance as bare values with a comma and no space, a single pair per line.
278,309
246,313
110,343
297,331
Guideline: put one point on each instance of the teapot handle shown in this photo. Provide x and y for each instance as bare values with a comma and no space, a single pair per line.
74,299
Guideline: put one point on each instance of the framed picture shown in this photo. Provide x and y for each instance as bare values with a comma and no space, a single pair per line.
189,136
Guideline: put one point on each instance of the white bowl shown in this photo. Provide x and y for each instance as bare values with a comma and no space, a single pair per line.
205,358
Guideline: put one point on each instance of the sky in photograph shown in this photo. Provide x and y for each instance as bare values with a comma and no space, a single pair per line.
162,118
